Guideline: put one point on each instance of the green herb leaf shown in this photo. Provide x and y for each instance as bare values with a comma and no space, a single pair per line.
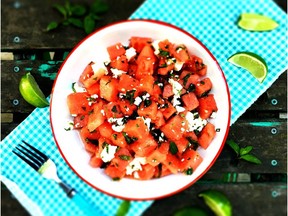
123,209
89,24
173,148
164,53
52,25
99,7
61,9
125,157
234,146
250,158
245,150
78,10
76,22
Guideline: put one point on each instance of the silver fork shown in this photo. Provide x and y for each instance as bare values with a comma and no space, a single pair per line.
47,168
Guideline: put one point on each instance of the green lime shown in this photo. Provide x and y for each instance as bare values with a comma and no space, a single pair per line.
194,211
217,201
256,22
31,92
252,63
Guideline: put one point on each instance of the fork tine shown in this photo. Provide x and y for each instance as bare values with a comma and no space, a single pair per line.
45,157
29,162
32,155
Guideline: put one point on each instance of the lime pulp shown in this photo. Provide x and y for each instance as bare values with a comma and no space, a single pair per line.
256,22
251,62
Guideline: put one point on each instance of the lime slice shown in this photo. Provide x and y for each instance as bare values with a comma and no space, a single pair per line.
252,63
217,201
256,22
31,92
191,211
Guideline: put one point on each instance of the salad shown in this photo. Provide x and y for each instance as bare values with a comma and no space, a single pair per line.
144,113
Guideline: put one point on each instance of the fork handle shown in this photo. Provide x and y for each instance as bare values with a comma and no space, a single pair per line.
80,201
85,206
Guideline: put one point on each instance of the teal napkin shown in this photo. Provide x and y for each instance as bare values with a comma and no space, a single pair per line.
214,23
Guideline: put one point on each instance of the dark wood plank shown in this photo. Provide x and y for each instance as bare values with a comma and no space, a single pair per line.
26,21
269,140
246,199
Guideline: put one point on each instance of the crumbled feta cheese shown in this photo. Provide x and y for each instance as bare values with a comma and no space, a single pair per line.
179,109
131,52
96,67
135,165
137,101
178,65
147,121
176,86
117,72
155,45
195,123
108,152
145,96
117,124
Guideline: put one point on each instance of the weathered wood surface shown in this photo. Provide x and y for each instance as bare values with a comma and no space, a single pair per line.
252,189
27,20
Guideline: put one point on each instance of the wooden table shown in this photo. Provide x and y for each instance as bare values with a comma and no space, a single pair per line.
252,189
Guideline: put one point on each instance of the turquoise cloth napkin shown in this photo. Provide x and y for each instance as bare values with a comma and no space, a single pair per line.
214,23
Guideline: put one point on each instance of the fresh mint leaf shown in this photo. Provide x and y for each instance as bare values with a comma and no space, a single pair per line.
89,24
76,22
78,10
52,25
123,209
61,9
234,146
245,150
250,158
173,148
99,7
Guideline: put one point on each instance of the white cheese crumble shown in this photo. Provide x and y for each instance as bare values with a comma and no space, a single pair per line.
116,73
178,65
108,153
195,123
137,101
135,165
179,109
117,124
176,88
130,53
155,45
96,67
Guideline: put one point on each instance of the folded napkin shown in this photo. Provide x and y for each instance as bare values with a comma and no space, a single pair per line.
214,23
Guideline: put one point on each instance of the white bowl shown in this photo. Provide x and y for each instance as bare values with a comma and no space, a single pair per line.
93,47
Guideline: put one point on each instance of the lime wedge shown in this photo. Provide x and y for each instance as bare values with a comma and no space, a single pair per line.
31,92
191,211
252,63
217,202
256,22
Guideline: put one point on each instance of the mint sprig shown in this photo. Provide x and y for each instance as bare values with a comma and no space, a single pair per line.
79,15
244,152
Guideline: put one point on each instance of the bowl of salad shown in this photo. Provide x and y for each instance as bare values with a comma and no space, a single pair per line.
140,109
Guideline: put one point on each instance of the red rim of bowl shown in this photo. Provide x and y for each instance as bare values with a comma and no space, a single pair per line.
228,96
